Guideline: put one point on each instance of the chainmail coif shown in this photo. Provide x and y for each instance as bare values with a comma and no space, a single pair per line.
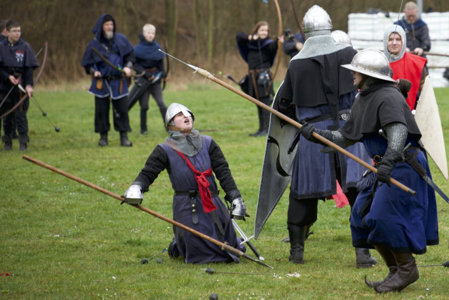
189,144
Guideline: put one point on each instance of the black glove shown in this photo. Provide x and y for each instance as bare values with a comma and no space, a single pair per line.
389,160
307,131
404,86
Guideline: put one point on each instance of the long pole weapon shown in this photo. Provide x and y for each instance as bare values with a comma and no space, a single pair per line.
121,199
279,46
297,21
293,122
168,65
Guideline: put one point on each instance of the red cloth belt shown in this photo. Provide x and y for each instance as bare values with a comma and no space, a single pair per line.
203,185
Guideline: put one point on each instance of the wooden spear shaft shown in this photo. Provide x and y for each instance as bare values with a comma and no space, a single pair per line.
294,123
100,189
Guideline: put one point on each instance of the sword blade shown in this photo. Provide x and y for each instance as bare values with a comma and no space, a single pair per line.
436,188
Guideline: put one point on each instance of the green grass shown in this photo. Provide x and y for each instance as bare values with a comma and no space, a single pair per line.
62,240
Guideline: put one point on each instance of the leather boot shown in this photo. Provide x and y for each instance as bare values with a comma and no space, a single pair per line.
389,260
297,238
406,274
143,122
124,140
8,143
23,140
308,233
259,113
364,258
103,139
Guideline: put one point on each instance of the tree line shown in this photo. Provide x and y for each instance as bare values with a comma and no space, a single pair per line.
201,32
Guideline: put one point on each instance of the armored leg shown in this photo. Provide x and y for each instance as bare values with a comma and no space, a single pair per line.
389,260
406,274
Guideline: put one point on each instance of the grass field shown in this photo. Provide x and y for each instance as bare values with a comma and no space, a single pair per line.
62,240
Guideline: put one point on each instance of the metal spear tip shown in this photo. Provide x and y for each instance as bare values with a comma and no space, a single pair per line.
210,271
144,261
57,129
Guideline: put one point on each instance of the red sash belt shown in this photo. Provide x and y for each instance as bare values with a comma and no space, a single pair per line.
203,185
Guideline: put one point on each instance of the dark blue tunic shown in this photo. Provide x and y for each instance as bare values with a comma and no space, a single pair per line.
117,52
193,248
397,219
314,172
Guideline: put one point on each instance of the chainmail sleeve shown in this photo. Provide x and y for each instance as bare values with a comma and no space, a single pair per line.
339,139
222,172
397,135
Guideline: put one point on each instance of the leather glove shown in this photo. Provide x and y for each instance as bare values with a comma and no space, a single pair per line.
389,161
307,131
133,195
238,209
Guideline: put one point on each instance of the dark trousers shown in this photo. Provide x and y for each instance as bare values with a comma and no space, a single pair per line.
119,114
18,115
154,90
304,212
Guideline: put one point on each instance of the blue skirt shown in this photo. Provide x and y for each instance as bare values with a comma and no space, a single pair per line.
403,222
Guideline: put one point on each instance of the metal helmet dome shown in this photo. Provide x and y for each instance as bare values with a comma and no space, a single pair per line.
316,18
372,63
341,37
176,108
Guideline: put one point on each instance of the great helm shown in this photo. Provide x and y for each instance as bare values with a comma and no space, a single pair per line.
372,63
174,109
316,18
341,37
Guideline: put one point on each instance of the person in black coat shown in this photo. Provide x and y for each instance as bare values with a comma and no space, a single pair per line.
259,51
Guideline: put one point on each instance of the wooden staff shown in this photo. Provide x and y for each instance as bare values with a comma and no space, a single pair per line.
121,199
293,122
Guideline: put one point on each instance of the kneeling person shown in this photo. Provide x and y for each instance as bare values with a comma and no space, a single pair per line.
190,158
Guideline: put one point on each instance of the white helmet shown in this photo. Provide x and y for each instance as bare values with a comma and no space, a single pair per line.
174,109
341,37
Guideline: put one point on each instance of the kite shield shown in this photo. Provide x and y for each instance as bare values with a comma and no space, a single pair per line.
277,166
428,119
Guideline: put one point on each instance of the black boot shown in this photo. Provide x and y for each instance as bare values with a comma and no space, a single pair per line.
389,260
406,274
103,139
259,113
124,140
23,140
8,142
297,238
308,233
364,258
143,122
